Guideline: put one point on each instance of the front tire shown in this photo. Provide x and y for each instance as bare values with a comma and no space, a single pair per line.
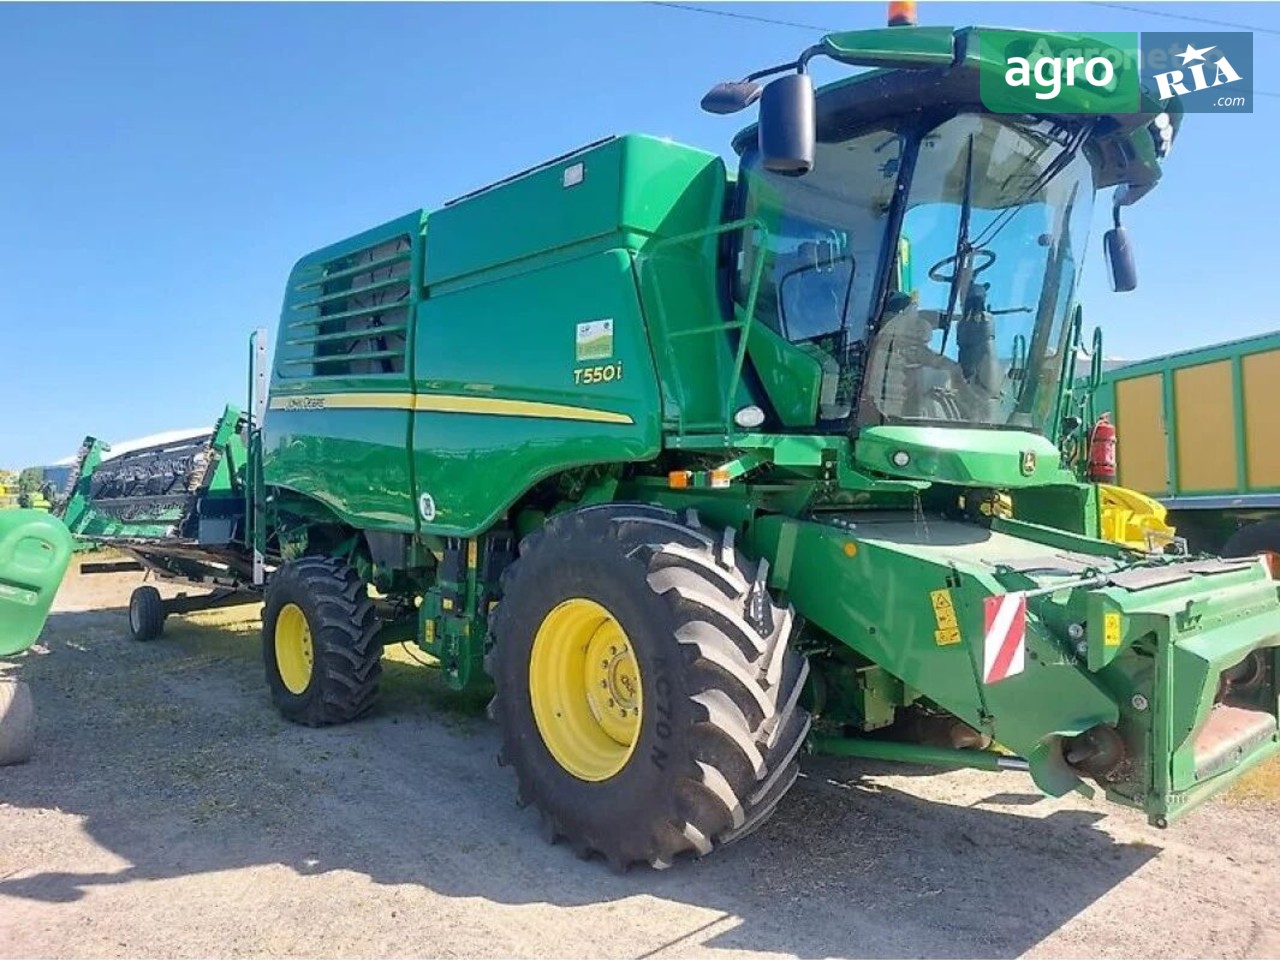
319,643
709,726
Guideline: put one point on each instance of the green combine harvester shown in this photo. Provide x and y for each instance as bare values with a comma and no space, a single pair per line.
702,470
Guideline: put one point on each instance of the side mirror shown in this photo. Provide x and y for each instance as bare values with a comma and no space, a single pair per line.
787,126
1120,266
731,97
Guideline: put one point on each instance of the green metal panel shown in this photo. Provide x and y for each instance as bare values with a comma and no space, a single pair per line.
354,461
507,350
1150,663
626,184
790,374
1238,405
342,438
879,602
1171,432
991,458
894,46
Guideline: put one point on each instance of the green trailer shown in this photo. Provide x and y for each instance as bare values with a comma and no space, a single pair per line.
1197,432
697,470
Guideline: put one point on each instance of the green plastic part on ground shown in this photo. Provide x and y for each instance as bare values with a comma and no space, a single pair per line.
35,549
693,469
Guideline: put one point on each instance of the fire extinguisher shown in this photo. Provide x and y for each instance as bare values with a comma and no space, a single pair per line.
1102,451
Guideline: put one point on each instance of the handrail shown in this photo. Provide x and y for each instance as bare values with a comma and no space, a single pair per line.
744,325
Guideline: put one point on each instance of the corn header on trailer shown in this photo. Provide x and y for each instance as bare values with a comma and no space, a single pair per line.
701,470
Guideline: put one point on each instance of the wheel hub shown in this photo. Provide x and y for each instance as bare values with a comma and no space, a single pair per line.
295,653
585,689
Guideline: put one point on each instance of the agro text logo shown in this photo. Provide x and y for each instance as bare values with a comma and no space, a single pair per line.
1023,72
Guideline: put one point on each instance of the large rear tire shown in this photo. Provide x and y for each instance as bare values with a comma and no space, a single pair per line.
319,643
17,722
635,609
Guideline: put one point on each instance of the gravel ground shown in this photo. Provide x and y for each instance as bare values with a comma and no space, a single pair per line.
170,812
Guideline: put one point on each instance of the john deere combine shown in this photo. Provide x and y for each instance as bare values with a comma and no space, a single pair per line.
701,470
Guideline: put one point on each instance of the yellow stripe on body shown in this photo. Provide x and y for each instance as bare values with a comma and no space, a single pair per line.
447,403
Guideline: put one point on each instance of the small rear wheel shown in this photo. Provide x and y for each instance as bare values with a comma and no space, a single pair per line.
146,614
322,660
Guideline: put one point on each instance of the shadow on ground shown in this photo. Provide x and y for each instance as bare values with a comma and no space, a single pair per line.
174,757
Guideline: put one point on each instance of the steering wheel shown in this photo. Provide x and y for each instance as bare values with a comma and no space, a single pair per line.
982,259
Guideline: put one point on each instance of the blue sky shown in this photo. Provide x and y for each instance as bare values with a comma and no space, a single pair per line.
161,167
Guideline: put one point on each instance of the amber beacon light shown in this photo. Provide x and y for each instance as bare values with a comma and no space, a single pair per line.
902,13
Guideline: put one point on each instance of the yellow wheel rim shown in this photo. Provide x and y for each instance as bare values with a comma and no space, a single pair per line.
294,651
584,683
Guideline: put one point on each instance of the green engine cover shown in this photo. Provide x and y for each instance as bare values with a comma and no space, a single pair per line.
430,371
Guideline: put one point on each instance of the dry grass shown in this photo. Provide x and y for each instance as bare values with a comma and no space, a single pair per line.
1261,784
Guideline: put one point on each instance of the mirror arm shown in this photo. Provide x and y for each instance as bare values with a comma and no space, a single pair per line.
799,65
779,68
802,62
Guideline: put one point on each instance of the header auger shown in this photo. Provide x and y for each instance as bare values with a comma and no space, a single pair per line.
702,471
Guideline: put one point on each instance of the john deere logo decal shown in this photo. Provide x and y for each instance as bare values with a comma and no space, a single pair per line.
1028,462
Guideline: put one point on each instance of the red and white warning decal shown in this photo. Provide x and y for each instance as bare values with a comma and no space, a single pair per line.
1004,639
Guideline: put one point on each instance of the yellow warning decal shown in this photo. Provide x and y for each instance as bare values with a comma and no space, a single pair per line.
944,613
1111,629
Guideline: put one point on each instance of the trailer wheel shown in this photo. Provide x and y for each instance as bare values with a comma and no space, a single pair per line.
17,722
647,694
318,642
1262,537
146,614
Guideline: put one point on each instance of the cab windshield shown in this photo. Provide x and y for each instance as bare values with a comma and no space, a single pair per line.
959,318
